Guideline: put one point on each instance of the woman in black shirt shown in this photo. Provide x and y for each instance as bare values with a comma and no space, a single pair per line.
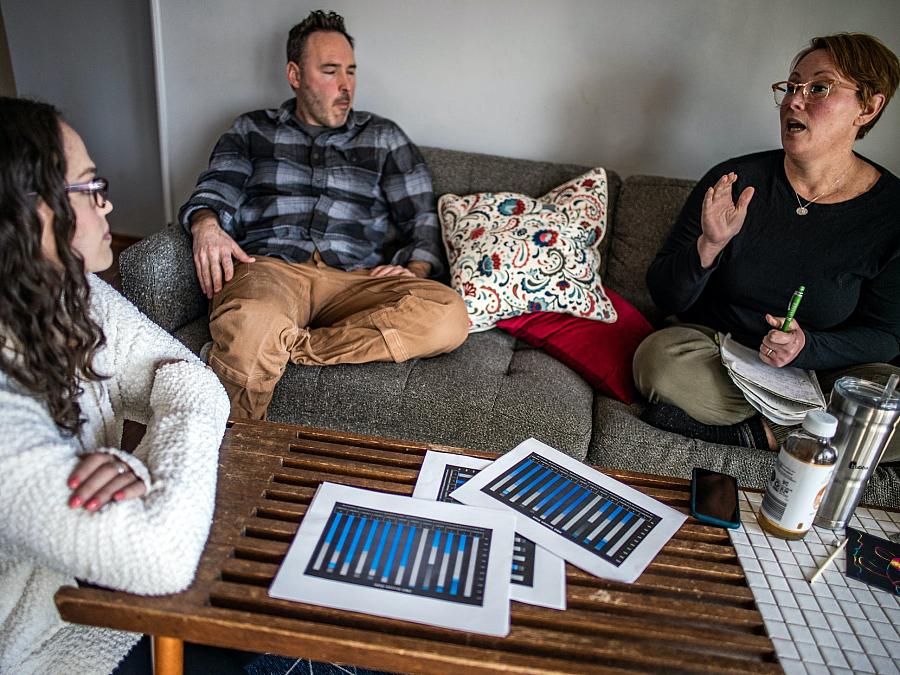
757,227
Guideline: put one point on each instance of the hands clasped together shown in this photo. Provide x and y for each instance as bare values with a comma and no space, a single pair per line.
100,478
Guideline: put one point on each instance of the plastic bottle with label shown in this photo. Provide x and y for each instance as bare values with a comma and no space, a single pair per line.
798,482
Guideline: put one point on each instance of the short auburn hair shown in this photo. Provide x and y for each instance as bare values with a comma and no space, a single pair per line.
865,60
318,20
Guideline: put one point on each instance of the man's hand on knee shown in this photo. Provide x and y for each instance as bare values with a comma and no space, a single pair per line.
390,271
415,268
213,250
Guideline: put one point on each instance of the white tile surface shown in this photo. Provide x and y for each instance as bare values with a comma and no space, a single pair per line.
848,641
834,657
860,662
836,625
885,665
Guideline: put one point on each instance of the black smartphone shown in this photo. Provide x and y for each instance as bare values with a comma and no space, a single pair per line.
714,498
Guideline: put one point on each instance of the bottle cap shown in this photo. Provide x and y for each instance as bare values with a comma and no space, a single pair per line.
820,423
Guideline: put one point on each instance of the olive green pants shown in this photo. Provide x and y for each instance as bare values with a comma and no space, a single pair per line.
681,366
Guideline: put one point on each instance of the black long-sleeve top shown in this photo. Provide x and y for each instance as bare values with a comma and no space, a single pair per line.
847,255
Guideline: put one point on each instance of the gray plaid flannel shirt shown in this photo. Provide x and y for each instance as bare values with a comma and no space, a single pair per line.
361,194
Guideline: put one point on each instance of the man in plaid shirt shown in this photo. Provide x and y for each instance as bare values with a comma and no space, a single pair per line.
329,215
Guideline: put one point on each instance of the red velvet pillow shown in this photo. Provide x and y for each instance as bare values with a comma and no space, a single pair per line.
600,352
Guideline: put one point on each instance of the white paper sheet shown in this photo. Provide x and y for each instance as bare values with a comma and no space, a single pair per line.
771,406
595,522
795,384
429,562
538,577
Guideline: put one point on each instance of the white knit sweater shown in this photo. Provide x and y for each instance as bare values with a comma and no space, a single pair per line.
149,545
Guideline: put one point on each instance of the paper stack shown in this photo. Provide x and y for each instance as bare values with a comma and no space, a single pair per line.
782,395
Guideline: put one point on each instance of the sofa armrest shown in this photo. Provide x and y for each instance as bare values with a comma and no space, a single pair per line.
158,276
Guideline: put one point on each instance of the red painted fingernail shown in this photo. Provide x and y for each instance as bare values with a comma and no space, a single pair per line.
119,495
92,505
75,502
74,483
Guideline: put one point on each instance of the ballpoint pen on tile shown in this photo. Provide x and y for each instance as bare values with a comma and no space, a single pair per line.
828,560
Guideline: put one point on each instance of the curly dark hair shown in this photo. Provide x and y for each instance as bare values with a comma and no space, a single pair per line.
48,340
318,20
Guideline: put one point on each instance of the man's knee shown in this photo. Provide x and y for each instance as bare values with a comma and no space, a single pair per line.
453,329
249,399
441,319
250,338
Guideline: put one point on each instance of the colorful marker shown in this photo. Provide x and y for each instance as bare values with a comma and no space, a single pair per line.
792,308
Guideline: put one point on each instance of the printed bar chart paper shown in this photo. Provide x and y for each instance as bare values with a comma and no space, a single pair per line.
595,522
403,558
538,577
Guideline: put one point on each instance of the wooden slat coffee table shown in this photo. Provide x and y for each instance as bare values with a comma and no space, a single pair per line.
690,611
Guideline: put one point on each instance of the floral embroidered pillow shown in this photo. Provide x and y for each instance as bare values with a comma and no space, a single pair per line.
511,254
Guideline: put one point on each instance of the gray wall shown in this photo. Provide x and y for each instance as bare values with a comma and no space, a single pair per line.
94,60
642,86
665,87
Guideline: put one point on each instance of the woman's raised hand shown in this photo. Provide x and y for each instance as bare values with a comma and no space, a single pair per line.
721,218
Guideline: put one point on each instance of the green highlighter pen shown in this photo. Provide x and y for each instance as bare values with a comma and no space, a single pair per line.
792,308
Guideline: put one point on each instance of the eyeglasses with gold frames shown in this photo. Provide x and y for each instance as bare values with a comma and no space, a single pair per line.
813,91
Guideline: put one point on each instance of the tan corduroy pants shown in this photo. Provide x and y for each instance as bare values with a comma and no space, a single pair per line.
680,365
272,312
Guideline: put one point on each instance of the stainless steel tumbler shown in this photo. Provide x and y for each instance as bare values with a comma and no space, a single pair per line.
866,422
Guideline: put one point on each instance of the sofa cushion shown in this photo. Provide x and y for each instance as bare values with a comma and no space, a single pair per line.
158,275
464,173
647,209
490,394
622,441
511,254
194,334
600,352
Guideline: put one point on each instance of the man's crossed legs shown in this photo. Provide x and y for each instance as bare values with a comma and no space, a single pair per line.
272,312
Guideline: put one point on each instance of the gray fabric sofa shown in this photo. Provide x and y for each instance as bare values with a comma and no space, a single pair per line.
494,391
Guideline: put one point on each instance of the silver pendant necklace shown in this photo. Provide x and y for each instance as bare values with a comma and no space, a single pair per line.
802,209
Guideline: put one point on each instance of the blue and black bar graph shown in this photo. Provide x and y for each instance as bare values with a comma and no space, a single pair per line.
523,549
403,553
454,477
574,507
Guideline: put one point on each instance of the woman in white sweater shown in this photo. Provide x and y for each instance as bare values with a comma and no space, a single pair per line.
75,360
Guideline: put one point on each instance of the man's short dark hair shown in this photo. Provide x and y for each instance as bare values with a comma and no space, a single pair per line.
318,20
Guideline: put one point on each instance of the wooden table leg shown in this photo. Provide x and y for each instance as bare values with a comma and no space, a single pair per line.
168,655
